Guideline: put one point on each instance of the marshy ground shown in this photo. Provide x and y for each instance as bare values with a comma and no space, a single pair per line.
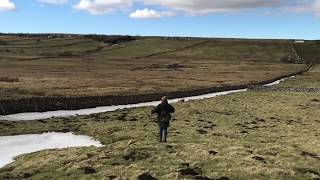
247,135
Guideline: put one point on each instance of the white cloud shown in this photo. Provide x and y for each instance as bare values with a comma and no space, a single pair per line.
316,8
193,7
53,1
307,6
200,7
7,5
102,6
150,14
212,6
187,6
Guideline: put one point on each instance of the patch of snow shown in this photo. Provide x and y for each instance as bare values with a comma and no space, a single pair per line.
279,81
12,146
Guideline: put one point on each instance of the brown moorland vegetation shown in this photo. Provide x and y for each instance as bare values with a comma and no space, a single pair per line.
78,66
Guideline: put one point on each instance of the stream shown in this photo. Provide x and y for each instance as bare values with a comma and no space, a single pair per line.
68,113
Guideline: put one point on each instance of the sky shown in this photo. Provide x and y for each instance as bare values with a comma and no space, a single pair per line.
268,19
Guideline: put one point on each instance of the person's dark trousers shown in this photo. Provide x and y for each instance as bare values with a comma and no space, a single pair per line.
163,133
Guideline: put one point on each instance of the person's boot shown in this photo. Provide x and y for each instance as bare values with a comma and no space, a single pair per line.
160,140
165,135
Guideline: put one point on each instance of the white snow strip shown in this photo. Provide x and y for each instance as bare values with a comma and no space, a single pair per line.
12,146
279,81
69,113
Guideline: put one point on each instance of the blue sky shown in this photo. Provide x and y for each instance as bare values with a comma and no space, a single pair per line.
205,18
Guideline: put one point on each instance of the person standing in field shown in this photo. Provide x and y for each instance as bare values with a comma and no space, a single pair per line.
163,111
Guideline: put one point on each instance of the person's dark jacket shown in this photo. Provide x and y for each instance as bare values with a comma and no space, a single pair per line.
162,110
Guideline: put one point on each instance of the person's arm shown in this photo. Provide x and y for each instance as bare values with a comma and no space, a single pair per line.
155,110
172,109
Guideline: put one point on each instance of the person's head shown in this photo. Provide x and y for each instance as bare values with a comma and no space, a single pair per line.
164,99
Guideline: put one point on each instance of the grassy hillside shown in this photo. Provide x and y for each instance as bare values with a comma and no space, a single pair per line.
256,51
77,66
310,51
145,47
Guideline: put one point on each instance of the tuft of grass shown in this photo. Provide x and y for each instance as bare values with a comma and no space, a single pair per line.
9,79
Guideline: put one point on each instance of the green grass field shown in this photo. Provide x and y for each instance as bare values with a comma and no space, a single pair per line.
249,135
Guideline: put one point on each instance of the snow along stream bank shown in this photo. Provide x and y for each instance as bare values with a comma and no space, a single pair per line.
68,113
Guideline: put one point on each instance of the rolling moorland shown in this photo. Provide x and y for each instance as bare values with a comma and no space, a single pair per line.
85,67
258,134
35,68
